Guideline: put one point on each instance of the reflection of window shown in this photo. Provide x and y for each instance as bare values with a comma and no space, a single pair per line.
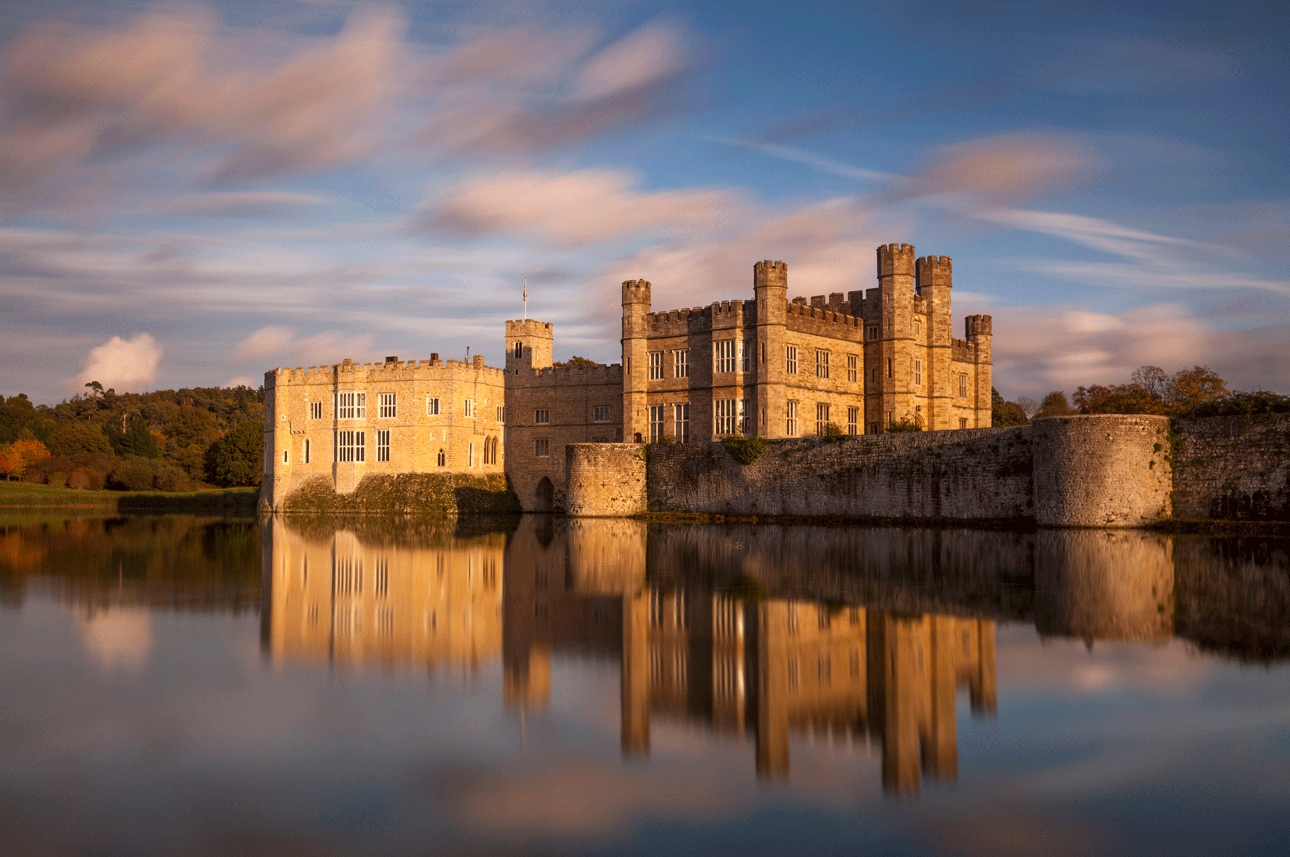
792,673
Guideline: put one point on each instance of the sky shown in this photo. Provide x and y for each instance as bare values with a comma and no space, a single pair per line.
194,193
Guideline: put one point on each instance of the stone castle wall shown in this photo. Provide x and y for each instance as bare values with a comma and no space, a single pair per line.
1232,468
1113,471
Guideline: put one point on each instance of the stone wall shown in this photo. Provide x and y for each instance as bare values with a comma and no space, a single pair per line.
605,480
978,475
1101,471
1232,468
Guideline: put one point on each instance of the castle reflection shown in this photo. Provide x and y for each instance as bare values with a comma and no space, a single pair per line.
339,598
859,635
740,662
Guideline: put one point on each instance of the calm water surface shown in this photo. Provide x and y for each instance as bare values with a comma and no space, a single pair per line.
186,686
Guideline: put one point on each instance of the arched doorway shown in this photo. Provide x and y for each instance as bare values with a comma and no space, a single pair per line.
544,496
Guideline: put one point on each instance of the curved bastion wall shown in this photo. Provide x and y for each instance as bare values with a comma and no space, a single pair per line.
605,480
1101,471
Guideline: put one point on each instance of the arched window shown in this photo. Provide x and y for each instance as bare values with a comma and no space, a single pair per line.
519,349
443,459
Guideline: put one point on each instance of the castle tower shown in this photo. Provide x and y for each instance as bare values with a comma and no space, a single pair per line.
770,290
933,280
636,303
891,397
528,345
979,333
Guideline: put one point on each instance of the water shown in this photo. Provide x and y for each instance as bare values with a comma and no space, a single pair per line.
186,686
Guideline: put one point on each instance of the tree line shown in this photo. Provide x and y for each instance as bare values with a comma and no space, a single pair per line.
1195,392
167,440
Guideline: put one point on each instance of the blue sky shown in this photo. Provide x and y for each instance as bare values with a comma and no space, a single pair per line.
195,193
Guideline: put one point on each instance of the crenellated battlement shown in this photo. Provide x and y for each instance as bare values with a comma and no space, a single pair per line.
391,370
598,374
895,260
978,325
799,308
636,292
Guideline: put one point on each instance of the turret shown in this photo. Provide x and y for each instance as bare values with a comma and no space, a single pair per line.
636,303
528,345
933,279
979,332
770,288
896,283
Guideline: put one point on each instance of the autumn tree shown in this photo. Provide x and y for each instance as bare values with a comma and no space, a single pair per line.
23,453
235,459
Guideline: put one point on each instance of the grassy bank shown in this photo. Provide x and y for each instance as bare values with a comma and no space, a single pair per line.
222,501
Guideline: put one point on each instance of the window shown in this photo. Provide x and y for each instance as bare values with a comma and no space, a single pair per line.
542,447
656,365
681,415
383,445
745,356
821,363
873,428
387,406
790,418
963,384
432,407
542,417
600,414
656,421
723,355
745,416
763,352
853,420
306,450
891,368
723,416
918,373
470,455
286,456
351,446
790,359
501,413
443,459
962,422
853,368
918,327
469,406
351,406
871,332
519,349
821,419
315,410
681,363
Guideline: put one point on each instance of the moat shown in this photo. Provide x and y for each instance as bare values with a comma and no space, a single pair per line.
196,686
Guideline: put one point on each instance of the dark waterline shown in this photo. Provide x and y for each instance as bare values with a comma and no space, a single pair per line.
191,686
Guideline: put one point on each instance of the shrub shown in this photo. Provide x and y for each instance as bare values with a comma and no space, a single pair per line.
79,479
57,479
905,424
744,450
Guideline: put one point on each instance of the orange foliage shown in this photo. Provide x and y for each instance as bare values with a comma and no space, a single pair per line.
23,453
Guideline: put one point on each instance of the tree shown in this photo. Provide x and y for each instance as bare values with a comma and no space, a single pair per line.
76,441
1028,406
575,360
23,453
138,440
1004,413
235,459
1152,379
1119,399
16,413
192,431
1055,405
1195,386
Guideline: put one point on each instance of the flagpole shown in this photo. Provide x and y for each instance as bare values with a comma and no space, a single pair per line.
526,298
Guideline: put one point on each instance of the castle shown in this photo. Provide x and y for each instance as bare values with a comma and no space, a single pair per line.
855,363
852,364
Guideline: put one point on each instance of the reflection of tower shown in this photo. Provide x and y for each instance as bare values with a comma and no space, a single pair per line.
635,673
1104,584
772,689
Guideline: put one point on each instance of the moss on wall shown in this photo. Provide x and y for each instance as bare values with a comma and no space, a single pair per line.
410,494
